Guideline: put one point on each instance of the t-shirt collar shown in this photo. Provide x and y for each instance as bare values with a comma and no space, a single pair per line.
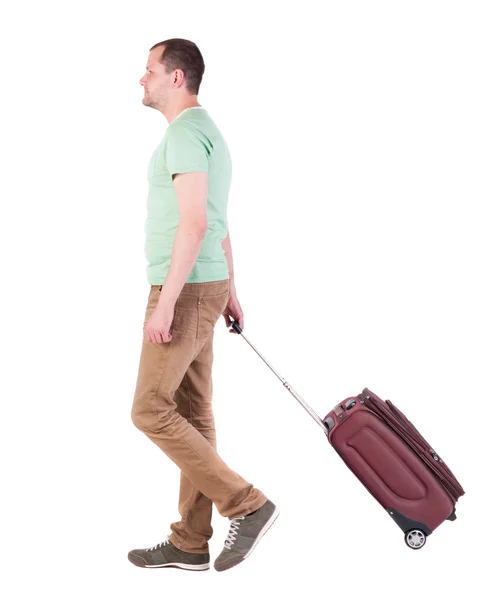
188,108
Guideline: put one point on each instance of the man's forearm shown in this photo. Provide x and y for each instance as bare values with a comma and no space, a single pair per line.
187,243
226,244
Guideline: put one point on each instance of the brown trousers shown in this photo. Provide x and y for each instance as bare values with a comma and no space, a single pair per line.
173,407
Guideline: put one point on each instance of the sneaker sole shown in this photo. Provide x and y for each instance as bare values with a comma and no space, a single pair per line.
175,565
181,566
136,561
264,530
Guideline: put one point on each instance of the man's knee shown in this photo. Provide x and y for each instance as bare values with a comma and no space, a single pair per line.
142,414
146,417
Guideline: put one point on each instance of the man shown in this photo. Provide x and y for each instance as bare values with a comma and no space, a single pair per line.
190,270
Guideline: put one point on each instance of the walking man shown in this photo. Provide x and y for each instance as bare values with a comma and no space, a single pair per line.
190,271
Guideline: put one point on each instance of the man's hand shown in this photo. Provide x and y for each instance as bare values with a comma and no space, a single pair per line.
234,310
157,328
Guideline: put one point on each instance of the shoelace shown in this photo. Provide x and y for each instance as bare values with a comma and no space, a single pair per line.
233,530
164,543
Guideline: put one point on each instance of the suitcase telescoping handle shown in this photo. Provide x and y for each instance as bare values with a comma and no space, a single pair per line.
319,421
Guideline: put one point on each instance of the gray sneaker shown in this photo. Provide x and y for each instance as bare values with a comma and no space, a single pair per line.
244,534
166,554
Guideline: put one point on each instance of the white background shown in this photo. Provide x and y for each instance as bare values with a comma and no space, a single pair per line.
354,129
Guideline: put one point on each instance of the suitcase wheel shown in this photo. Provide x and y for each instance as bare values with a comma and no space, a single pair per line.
415,538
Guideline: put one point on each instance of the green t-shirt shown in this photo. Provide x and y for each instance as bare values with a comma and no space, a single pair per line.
192,142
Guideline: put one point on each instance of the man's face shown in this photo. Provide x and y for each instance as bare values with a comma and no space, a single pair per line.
156,82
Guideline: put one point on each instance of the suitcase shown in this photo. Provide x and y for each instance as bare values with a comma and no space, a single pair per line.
390,458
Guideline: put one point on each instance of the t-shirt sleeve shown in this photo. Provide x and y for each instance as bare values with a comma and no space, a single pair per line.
186,150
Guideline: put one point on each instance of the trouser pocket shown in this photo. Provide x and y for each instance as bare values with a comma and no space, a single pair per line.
210,308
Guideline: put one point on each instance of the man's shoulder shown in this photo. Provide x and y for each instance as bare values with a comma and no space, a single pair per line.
188,128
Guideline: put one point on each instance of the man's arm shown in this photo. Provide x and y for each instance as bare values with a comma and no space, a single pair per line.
191,192
233,308
226,244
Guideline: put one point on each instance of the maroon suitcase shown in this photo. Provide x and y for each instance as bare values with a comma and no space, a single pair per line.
395,463
390,458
